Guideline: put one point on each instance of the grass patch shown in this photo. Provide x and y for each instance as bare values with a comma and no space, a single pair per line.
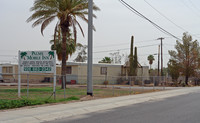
8,104
42,95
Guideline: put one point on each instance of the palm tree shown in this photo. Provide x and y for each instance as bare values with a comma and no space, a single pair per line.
66,11
70,44
151,59
71,48
106,60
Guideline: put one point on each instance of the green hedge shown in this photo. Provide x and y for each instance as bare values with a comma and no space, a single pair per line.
8,104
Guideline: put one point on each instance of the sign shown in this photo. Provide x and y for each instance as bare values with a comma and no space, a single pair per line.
37,61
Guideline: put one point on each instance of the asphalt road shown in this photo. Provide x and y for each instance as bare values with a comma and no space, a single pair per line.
180,109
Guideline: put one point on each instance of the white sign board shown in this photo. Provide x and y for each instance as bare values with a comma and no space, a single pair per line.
37,61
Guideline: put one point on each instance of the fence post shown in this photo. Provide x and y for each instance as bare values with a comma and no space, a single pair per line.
153,82
113,90
27,85
142,83
54,86
64,86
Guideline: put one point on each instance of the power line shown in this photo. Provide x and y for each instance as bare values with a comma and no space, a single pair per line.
193,5
196,35
124,43
150,54
169,44
111,45
138,42
194,12
165,16
144,17
124,48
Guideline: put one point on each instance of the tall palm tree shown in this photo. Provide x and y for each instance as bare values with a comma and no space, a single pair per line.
151,59
66,11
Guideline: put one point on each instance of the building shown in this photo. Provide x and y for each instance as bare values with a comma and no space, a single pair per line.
75,71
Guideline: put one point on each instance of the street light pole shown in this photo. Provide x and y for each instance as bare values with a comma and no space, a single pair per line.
90,46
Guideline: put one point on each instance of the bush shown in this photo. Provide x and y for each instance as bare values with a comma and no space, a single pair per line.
8,104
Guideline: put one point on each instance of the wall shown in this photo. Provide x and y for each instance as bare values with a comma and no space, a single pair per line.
112,72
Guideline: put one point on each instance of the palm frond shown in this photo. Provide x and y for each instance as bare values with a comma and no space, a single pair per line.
38,22
74,30
46,23
41,14
80,27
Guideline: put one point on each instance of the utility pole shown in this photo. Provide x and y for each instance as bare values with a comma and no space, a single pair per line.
90,46
158,60
161,39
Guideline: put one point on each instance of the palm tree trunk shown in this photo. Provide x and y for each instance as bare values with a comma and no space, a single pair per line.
63,72
65,30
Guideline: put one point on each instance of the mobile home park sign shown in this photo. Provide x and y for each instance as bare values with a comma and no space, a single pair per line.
37,61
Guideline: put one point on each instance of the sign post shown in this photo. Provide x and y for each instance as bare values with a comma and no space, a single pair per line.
37,62
19,75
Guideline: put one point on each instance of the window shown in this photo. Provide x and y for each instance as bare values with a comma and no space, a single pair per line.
9,70
103,70
69,70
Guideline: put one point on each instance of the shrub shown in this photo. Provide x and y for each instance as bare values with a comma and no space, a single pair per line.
8,104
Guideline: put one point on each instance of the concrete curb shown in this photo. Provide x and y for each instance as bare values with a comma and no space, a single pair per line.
49,113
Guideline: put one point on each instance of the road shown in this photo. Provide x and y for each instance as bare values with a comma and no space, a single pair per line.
178,109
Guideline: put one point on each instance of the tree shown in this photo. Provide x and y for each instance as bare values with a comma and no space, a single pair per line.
56,44
70,44
66,11
174,69
186,56
116,57
131,72
106,60
150,58
82,54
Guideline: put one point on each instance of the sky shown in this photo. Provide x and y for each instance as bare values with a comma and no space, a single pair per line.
115,24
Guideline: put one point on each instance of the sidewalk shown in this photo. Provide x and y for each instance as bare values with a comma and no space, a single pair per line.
48,113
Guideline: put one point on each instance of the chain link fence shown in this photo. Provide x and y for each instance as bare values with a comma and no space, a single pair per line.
41,86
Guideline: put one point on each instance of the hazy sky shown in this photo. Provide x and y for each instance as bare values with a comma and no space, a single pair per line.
115,25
